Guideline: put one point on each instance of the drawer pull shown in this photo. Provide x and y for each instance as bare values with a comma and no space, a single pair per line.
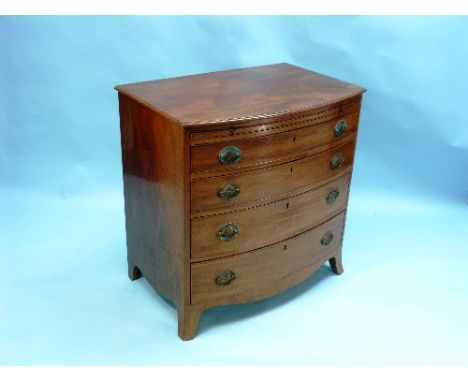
327,238
229,154
340,128
225,277
332,196
228,232
337,161
228,191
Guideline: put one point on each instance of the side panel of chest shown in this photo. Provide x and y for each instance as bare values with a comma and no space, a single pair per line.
156,190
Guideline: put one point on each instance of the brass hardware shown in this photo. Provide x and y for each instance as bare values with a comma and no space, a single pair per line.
232,131
327,238
229,154
337,161
332,196
228,191
228,232
340,128
225,277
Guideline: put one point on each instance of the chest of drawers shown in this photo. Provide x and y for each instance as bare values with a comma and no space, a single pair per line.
236,182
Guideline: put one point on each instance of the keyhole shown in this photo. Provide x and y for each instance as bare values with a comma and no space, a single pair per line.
287,205
294,139
285,247
291,170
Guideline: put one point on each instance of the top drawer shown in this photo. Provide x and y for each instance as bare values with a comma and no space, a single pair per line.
293,138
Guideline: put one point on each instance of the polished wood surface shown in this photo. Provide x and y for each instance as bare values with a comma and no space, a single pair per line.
268,150
240,94
269,223
282,117
150,240
273,125
271,181
158,235
266,271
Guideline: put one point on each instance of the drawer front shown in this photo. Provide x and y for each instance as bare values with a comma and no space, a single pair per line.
256,227
266,271
256,151
269,182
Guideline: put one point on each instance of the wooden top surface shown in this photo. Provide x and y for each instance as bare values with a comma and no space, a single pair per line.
241,94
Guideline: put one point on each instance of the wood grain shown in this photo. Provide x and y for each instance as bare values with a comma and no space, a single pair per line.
240,94
156,190
282,116
266,271
268,126
260,150
267,224
271,181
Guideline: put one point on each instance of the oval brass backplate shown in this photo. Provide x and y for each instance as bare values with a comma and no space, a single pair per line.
340,128
228,191
228,232
225,277
337,161
229,154
327,238
332,196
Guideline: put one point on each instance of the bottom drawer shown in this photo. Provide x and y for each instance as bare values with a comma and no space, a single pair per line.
266,271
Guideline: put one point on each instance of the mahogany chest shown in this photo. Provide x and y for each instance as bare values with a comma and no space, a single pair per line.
235,182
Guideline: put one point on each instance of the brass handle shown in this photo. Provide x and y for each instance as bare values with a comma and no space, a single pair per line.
229,154
228,191
228,232
340,128
332,196
337,161
327,238
225,277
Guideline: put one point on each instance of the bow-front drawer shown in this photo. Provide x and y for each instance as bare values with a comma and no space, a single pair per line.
265,271
240,231
247,150
265,183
